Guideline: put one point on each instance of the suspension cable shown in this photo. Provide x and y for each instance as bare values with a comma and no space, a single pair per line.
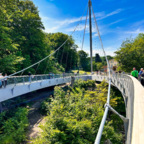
98,138
101,41
84,30
37,69
46,66
61,61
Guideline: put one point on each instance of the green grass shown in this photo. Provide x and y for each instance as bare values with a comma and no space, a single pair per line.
80,72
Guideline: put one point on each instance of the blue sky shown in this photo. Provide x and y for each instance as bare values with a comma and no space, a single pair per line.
117,20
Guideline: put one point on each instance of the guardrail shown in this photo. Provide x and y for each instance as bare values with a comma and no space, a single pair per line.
14,80
125,84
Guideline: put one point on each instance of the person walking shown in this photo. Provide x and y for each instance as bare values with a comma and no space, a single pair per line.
140,73
29,74
5,80
1,81
142,78
134,73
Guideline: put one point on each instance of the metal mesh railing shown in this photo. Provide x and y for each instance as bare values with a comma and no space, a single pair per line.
14,80
125,84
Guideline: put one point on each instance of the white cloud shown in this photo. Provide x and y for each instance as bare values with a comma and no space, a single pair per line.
111,14
61,25
116,22
137,31
108,50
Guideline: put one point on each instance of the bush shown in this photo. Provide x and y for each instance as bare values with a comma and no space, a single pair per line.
89,84
75,116
44,108
13,126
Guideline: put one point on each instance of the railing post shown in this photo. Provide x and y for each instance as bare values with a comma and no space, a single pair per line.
15,81
36,78
23,80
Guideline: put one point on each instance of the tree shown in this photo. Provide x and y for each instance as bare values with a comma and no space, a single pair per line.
130,53
95,68
99,66
8,48
67,55
104,59
83,60
13,125
27,32
97,58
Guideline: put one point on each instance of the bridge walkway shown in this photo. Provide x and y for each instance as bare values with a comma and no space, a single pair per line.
138,113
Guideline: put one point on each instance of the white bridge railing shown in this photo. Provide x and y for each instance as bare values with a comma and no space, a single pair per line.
125,85
18,85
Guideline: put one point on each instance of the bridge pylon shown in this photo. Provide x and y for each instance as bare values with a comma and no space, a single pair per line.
90,31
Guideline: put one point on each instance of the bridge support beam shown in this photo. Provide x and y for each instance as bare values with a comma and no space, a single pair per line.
1,109
72,80
114,111
125,120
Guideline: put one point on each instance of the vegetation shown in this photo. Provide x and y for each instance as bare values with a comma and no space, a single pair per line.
74,116
97,58
13,125
23,42
80,72
84,63
130,54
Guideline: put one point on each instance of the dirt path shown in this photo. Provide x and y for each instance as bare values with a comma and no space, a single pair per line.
36,119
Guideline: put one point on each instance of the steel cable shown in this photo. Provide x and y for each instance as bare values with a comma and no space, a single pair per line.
84,30
98,137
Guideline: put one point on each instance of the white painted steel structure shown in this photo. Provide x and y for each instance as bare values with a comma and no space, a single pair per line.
125,84
21,85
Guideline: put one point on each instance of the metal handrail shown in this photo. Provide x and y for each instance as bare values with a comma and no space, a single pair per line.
122,79
33,78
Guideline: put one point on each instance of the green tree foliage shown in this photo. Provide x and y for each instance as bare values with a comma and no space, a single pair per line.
104,59
74,116
99,66
67,56
13,125
23,42
27,32
83,60
130,54
97,58
89,84
94,66
8,48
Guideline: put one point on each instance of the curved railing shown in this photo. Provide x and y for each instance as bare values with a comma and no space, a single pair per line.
125,84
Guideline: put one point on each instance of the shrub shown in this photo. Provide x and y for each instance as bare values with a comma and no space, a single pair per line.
75,116
89,84
13,126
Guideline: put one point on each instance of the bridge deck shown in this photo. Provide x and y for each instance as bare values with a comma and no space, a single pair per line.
138,115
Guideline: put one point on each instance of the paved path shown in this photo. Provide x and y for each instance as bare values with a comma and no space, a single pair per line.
138,116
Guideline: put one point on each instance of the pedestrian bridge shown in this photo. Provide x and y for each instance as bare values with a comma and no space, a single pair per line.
131,89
